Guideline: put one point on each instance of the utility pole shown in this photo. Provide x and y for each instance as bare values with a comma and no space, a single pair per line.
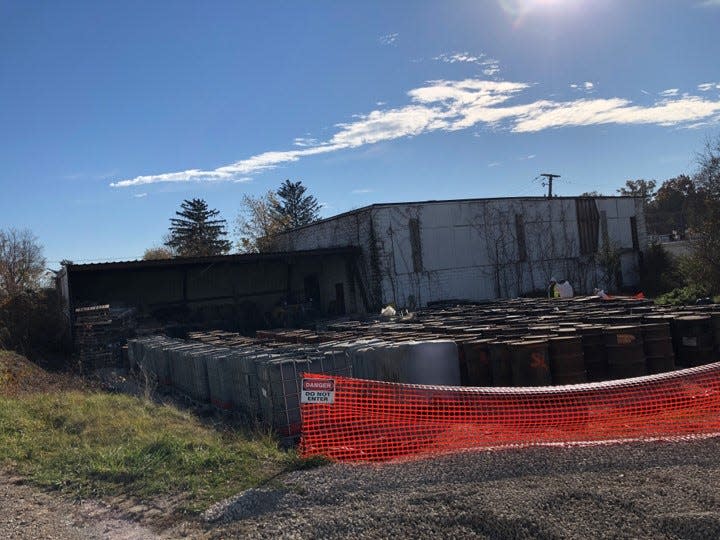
549,182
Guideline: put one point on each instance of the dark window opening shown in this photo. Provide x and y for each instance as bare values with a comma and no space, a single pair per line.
634,233
588,225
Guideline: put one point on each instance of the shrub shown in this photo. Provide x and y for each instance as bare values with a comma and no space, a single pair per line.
33,323
660,272
683,295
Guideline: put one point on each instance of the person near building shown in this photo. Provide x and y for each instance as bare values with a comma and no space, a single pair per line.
552,290
560,289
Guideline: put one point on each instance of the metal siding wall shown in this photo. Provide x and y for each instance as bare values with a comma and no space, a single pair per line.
458,240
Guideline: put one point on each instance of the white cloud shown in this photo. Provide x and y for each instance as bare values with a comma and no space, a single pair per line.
709,3
587,87
490,71
670,92
304,141
362,191
140,195
450,105
389,39
544,114
490,65
495,164
705,87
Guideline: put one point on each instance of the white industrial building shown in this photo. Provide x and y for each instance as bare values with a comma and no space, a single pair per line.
478,249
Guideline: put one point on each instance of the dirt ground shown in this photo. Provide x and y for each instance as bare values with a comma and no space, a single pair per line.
19,376
639,490
31,513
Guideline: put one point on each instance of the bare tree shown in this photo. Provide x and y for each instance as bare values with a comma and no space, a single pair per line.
257,223
157,253
639,188
21,262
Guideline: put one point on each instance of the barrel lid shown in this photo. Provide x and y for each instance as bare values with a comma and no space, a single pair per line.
622,328
529,343
656,325
484,341
693,318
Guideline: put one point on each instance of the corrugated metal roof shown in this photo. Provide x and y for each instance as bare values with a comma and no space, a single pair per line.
237,258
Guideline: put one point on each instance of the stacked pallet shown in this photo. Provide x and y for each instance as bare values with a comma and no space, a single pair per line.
100,332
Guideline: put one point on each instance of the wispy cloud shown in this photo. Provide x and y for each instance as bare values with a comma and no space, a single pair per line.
709,3
706,87
389,39
140,195
452,105
670,92
362,191
490,65
304,141
586,86
494,163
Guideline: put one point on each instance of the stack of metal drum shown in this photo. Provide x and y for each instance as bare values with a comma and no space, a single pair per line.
524,342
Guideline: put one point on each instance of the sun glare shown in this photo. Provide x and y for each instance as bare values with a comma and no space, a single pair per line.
518,8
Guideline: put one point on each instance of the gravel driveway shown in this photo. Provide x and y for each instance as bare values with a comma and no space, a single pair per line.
640,490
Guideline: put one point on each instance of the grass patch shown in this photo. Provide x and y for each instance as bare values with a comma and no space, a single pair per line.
94,444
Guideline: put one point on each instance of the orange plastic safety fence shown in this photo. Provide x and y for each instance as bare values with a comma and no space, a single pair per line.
378,421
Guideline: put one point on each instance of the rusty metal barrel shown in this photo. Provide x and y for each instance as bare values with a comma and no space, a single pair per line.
530,363
501,363
693,339
595,356
658,345
477,361
625,351
462,362
567,360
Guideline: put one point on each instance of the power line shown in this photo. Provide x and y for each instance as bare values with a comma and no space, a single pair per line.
549,182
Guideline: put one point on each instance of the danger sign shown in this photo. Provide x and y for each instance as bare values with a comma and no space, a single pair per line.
318,391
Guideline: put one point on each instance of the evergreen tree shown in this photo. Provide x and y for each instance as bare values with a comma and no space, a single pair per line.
194,233
292,207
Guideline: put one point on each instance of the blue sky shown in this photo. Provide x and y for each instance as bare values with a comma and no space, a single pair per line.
112,113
